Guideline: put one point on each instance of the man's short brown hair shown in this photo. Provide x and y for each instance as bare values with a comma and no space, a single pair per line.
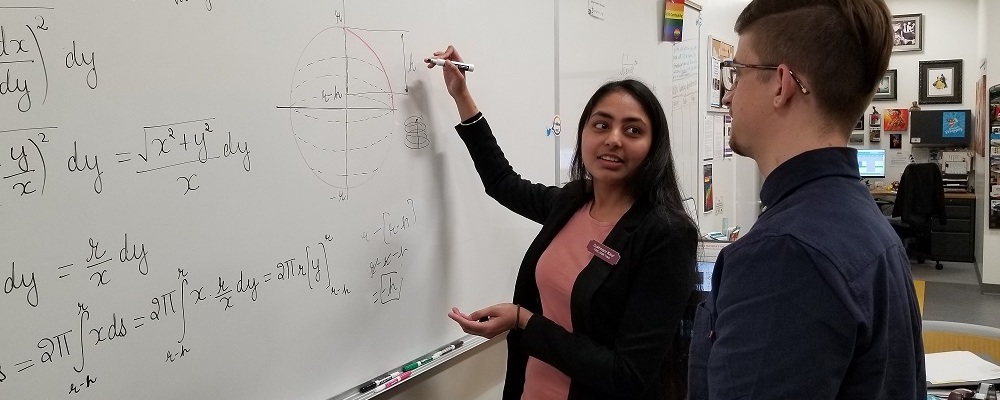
842,47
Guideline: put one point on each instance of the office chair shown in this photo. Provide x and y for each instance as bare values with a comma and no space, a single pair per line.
919,199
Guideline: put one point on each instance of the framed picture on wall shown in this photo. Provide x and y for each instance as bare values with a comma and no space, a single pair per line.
940,82
895,140
907,32
887,86
895,119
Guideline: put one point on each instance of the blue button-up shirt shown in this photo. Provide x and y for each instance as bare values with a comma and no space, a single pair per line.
816,301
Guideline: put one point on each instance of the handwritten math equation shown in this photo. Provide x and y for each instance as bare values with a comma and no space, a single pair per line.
26,71
192,142
385,268
32,155
109,265
166,309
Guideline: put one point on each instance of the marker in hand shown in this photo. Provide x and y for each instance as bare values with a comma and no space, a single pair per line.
461,65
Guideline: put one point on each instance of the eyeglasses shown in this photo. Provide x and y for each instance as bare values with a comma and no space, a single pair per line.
730,76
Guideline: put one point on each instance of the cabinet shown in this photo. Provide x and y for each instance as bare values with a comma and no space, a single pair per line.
956,239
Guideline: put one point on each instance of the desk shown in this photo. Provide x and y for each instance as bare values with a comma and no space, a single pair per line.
956,239
947,195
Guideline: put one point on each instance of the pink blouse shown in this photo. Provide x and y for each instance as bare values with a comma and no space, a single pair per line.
555,275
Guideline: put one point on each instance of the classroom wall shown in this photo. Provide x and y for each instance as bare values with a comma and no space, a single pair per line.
946,25
958,29
736,180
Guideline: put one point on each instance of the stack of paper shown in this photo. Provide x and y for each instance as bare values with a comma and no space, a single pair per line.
955,367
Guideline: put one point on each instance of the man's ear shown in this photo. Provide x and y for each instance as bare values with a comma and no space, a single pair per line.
786,87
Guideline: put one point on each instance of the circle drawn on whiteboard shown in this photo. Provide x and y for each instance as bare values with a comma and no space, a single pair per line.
341,108
556,125
416,133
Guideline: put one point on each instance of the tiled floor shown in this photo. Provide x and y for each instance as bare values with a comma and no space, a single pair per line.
952,294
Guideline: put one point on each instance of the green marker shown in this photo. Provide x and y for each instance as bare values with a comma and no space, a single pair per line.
416,364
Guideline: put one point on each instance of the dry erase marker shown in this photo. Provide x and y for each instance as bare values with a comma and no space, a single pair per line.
416,364
445,350
392,382
461,65
374,383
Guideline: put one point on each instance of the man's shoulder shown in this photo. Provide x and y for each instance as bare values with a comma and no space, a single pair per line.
832,216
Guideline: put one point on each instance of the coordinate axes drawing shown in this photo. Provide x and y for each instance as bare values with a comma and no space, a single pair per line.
343,101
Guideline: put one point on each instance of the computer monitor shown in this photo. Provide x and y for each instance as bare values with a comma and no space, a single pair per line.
705,269
708,251
871,163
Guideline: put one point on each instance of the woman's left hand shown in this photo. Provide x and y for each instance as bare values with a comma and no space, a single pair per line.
490,321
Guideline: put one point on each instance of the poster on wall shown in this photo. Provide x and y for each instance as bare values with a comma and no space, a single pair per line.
727,152
994,180
715,86
875,126
895,140
953,124
708,138
673,21
895,119
718,51
980,115
719,131
709,203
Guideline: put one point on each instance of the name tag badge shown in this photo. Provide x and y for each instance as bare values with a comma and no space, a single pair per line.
603,252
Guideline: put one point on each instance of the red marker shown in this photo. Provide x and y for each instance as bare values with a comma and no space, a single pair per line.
392,382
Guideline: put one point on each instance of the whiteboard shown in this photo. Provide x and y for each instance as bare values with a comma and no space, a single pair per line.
600,41
253,200
683,118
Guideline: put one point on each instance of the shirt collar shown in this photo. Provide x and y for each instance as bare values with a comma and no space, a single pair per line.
806,167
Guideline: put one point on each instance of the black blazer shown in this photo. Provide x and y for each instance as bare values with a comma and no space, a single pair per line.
625,316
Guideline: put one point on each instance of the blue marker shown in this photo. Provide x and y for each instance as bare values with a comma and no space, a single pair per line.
461,65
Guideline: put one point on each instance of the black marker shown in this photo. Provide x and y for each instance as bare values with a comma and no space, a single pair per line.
374,383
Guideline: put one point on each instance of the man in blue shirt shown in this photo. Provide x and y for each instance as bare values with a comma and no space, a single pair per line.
816,301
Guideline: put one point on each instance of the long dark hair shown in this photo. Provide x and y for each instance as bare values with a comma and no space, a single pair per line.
656,179
655,183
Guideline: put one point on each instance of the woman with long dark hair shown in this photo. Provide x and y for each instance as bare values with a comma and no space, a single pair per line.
603,287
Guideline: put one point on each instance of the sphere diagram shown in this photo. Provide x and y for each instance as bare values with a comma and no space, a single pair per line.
342,108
